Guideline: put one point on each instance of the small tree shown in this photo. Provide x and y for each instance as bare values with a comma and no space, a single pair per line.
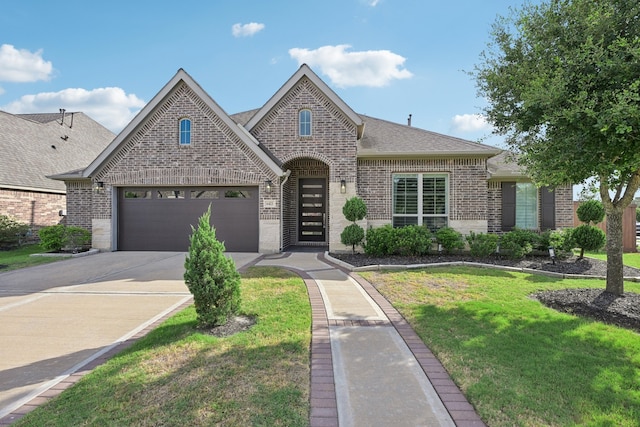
590,212
354,210
587,236
211,277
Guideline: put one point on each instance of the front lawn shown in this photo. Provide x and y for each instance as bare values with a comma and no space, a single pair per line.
518,362
178,376
21,258
631,259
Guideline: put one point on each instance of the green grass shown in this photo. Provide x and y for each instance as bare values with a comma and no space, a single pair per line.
178,375
518,362
21,258
629,259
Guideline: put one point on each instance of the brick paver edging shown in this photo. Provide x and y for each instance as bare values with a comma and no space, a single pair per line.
83,370
323,405
461,411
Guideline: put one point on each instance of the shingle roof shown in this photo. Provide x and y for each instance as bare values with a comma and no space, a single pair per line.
504,165
33,146
387,139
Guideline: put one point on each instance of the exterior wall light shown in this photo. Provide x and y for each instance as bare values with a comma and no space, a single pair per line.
98,187
268,185
343,186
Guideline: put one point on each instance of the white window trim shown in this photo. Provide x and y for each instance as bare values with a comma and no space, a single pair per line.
310,122
180,143
421,213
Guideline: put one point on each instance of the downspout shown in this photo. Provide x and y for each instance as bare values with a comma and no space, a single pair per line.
286,178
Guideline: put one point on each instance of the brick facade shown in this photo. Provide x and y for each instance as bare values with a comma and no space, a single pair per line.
34,208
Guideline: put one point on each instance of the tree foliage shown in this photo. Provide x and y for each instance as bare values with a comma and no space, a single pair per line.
354,210
562,79
590,212
211,277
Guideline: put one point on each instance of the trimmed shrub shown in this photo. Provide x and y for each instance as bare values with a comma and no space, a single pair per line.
411,240
450,239
55,238
588,238
482,245
354,210
517,244
352,235
12,232
211,277
590,212
379,241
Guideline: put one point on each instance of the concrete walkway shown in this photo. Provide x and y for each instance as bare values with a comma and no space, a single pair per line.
368,366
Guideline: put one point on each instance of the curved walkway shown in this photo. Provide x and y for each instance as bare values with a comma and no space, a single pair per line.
368,366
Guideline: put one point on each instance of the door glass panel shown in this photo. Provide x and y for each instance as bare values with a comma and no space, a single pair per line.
170,194
238,194
132,193
205,194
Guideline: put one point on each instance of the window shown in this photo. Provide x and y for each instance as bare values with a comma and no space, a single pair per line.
304,119
421,199
519,206
185,132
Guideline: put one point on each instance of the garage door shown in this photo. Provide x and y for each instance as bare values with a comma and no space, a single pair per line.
160,219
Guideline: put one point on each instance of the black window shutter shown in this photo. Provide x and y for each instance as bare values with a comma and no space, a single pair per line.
548,208
508,206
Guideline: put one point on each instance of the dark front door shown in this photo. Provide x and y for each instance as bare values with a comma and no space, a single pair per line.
312,209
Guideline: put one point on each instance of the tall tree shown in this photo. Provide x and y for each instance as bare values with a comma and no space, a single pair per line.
562,80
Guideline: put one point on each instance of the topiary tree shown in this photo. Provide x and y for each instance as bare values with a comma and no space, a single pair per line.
588,238
590,212
354,210
211,277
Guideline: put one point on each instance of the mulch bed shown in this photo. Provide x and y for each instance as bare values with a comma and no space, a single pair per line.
596,304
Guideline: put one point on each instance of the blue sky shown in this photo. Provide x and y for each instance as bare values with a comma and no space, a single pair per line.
385,58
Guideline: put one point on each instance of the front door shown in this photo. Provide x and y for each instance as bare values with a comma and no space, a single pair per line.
312,209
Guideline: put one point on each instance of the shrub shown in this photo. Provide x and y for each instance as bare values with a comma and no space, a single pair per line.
450,239
11,231
411,240
588,238
211,277
52,237
352,235
354,210
58,237
517,244
562,242
590,212
482,245
379,241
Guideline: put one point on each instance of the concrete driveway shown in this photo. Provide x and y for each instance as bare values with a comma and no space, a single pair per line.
56,318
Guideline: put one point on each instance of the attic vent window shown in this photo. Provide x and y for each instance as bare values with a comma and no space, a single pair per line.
185,132
304,121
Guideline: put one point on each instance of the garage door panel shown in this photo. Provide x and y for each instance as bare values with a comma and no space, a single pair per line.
164,224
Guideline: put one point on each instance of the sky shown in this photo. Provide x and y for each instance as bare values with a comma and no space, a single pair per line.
384,58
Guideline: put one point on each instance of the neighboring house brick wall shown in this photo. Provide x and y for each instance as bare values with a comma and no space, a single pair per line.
33,208
467,185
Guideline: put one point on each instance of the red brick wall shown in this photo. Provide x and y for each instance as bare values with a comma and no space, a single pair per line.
33,208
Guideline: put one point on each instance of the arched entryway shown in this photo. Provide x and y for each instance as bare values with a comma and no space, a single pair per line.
306,204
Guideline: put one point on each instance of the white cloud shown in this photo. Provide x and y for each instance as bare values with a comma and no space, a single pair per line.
244,30
470,123
23,66
367,68
110,106
373,3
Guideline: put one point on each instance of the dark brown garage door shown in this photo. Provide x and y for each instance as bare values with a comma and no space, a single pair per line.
160,219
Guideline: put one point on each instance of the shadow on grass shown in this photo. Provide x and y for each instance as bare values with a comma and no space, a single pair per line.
539,369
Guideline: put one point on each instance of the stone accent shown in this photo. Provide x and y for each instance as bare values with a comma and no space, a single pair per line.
101,234
269,242
464,227
31,207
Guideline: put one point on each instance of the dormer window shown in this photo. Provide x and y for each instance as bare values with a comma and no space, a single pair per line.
185,132
304,121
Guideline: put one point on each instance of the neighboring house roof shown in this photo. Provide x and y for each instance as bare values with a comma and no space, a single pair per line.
156,102
34,146
387,139
505,166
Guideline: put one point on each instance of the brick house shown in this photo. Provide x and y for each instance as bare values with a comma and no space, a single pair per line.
279,176
33,146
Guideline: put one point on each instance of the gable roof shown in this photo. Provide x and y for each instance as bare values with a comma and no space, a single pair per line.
387,139
33,146
180,77
305,71
505,166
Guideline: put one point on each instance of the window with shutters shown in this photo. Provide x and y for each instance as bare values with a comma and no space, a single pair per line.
421,199
520,206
